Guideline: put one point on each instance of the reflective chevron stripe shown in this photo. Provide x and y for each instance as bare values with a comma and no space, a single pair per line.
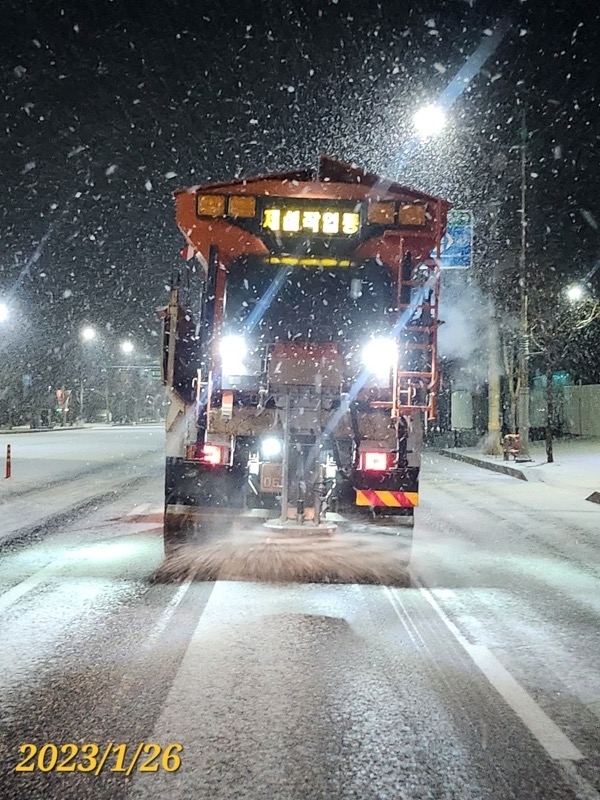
372,497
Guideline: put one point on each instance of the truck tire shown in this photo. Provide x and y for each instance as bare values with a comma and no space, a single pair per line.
177,532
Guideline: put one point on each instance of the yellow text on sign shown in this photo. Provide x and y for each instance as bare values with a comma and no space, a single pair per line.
295,220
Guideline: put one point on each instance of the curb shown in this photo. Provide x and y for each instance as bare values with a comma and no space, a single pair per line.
514,472
66,515
86,427
18,431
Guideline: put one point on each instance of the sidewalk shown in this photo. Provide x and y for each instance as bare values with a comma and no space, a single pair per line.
77,427
57,456
27,429
576,464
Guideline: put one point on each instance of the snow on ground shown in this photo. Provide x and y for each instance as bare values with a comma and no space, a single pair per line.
56,472
576,463
39,458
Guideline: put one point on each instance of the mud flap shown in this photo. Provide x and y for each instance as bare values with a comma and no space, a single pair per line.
395,494
201,501
186,525
178,529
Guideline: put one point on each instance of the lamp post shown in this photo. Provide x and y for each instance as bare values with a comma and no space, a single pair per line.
88,334
127,402
523,404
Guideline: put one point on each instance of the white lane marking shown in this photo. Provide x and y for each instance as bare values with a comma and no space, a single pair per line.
549,735
14,594
404,617
166,615
583,788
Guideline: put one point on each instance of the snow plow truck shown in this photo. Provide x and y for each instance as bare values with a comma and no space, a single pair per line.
299,348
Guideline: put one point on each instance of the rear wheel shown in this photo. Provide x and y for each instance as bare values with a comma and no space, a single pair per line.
177,530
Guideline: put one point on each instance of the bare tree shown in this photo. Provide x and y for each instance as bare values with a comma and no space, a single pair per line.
555,327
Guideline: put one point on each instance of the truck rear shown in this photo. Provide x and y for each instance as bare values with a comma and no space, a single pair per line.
299,349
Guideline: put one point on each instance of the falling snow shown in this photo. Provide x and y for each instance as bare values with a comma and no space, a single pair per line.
100,129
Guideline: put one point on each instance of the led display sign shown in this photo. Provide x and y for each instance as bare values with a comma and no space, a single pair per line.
327,222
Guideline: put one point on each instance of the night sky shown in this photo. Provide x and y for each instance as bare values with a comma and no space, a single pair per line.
107,107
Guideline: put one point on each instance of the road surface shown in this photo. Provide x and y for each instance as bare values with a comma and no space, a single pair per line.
56,473
479,681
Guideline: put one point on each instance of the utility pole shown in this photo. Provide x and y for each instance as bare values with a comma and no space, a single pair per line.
523,407
492,446
81,396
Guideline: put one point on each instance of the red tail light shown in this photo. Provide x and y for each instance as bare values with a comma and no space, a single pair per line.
211,454
374,461
205,453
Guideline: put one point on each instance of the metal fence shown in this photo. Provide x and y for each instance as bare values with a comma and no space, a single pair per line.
577,409
581,410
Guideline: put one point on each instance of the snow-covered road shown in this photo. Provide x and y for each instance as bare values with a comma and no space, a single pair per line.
480,681
55,473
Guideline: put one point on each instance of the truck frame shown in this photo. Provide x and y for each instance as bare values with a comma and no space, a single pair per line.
299,348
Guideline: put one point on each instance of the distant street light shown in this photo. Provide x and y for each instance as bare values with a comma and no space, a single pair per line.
127,347
3,312
576,292
88,334
429,121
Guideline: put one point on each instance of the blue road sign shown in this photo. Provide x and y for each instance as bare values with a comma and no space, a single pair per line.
457,244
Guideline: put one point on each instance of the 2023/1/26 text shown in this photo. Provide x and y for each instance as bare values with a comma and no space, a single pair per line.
124,758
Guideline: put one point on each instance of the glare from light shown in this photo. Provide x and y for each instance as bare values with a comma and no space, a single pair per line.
232,347
270,447
375,461
429,121
211,454
127,347
233,350
3,312
379,356
576,292
87,334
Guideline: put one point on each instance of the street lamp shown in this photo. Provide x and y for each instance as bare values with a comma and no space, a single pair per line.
576,292
127,402
429,121
88,333
523,406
